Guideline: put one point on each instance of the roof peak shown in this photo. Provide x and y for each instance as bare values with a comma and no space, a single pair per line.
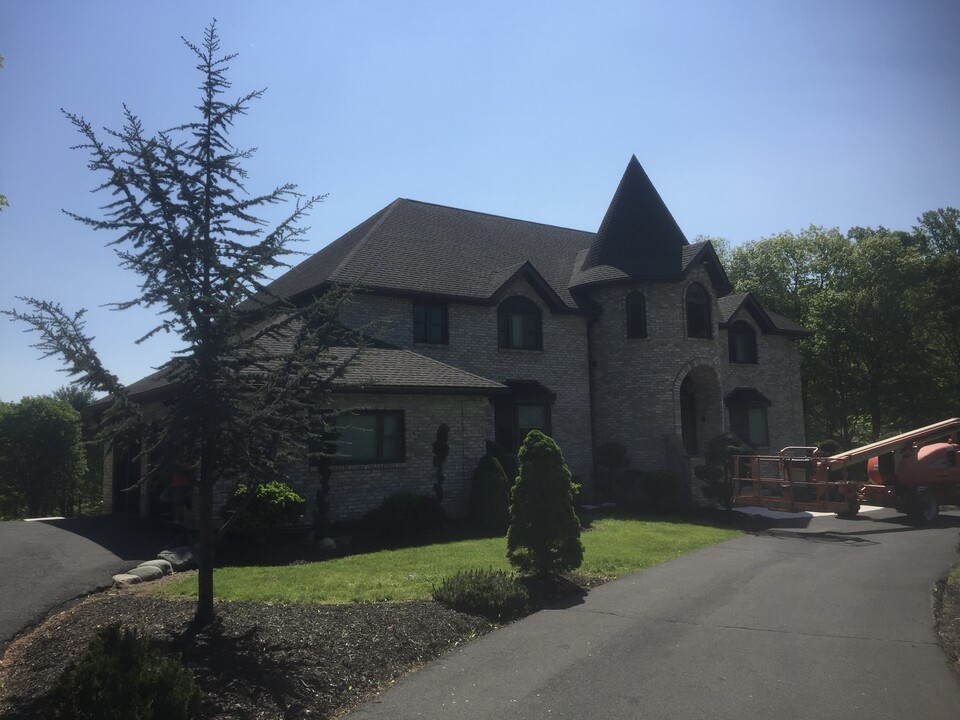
638,234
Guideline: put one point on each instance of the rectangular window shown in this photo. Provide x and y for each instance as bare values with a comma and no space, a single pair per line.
370,436
430,322
513,421
749,421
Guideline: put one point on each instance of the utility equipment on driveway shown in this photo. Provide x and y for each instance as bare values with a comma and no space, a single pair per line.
915,472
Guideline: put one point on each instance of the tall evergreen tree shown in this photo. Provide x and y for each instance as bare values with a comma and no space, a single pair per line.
252,380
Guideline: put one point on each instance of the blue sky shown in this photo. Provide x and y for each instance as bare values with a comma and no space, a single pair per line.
751,118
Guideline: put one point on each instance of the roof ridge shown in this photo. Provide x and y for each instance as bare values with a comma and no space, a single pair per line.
496,217
387,211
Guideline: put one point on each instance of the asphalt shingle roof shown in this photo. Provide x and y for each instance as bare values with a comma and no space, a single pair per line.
769,320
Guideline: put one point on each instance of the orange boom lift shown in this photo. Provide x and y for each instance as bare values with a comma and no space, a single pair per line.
915,472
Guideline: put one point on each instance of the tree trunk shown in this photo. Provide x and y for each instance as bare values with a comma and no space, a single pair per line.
206,613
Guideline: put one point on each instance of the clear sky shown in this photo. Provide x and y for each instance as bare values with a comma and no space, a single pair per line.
751,118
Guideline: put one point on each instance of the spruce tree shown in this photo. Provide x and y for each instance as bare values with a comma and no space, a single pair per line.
544,534
250,386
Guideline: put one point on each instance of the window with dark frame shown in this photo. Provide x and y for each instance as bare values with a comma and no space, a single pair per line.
748,417
526,408
519,324
742,343
636,307
699,323
430,322
370,436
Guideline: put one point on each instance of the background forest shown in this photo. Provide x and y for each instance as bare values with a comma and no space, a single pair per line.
884,308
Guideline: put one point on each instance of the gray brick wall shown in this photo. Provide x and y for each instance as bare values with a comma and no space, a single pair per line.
636,381
777,376
355,489
562,365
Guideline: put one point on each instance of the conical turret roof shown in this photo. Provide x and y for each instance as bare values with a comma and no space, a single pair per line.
638,235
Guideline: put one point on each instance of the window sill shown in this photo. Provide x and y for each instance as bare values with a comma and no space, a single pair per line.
430,344
520,350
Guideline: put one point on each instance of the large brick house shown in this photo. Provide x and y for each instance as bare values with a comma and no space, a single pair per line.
495,326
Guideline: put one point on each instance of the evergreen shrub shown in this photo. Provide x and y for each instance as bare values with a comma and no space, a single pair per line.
265,507
490,496
544,534
122,676
402,518
494,594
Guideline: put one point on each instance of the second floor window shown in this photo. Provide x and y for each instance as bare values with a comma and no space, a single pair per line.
518,324
742,342
430,322
636,306
699,321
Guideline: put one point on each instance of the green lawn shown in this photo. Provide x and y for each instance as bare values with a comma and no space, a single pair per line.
613,548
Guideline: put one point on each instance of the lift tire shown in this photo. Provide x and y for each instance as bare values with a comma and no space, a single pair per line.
923,507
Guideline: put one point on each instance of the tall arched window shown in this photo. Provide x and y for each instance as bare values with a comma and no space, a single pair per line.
518,324
636,307
699,323
742,342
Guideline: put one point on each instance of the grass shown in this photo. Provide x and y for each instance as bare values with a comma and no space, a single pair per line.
613,548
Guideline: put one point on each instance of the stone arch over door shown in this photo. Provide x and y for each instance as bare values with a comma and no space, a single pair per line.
698,405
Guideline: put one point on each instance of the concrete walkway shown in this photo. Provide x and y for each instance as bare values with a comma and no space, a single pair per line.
831,620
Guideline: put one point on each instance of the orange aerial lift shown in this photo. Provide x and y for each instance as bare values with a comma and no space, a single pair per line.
915,472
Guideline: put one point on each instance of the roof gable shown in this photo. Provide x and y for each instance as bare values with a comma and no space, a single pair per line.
769,321
704,253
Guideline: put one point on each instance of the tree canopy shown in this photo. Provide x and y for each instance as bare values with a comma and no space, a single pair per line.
884,307
250,387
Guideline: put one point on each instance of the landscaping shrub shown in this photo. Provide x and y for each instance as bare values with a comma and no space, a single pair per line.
254,512
495,594
717,473
507,460
121,676
544,534
402,518
441,449
490,496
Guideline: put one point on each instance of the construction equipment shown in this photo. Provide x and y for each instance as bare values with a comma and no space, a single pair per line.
915,472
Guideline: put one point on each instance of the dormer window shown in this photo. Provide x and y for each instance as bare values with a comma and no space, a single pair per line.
636,309
518,324
742,342
699,322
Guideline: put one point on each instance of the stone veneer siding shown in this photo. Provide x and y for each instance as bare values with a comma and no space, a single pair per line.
561,367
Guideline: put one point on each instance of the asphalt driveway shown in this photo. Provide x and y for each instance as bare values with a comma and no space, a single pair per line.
829,620
44,564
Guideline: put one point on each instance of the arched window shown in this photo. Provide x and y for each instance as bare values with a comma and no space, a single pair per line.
742,341
699,323
636,306
518,324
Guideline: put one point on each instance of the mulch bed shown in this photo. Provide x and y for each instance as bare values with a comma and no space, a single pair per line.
257,661
947,611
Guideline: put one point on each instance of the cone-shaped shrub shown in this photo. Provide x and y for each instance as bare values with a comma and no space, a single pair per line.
544,534
490,496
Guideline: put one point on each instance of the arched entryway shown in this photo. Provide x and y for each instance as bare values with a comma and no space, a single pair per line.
699,409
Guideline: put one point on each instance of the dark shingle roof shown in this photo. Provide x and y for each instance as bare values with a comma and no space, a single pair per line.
415,247
638,235
769,321
376,369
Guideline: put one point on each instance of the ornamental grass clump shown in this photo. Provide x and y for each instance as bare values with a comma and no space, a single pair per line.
122,676
494,594
544,534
